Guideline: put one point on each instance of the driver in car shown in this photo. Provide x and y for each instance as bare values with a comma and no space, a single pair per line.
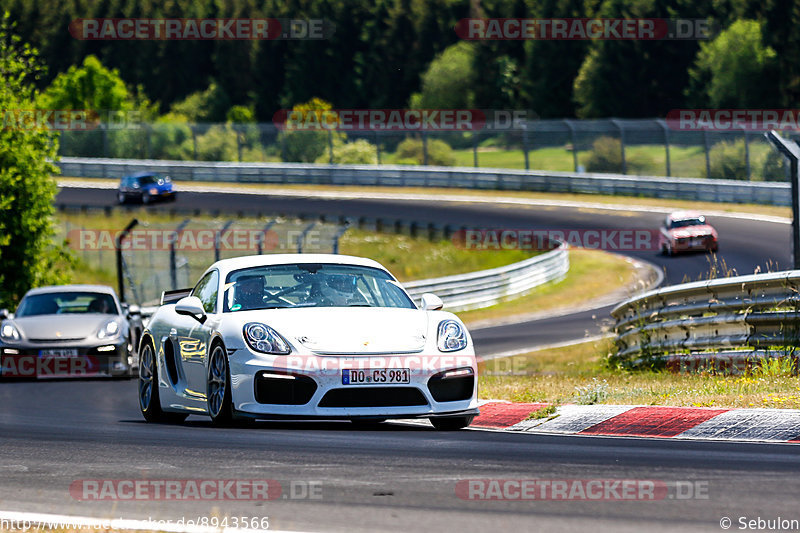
342,290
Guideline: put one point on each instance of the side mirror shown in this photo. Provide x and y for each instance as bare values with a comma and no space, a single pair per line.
4,314
431,302
191,306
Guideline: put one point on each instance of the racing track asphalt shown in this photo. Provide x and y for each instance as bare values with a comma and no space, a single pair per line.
397,477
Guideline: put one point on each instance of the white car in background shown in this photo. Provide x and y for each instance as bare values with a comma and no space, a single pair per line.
305,336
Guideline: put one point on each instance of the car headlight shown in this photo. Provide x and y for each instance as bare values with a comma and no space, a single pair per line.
452,336
9,333
264,339
109,329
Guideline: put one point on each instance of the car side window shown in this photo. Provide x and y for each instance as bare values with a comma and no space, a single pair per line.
206,290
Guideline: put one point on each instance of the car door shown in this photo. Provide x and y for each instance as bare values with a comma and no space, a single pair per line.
195,344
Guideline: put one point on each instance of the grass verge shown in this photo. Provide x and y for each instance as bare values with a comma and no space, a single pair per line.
578,374
592,274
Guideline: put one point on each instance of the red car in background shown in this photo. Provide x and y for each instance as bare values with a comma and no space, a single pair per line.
685,231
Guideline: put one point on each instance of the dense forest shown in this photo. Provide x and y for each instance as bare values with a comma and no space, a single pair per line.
383,55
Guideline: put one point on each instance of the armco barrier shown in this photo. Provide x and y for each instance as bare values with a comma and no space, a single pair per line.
728,321
714,190
488,287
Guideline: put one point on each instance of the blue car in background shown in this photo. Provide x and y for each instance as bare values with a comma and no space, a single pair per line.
145,187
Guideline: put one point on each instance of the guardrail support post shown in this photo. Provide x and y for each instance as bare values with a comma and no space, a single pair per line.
121,237
791,151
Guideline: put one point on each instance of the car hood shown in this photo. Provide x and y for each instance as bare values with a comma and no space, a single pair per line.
356,330
692,231
61,327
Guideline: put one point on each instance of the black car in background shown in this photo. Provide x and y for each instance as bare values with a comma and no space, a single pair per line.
145,187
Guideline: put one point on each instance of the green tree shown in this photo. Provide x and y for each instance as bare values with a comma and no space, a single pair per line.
91,86
735,69
637,78
27,255
448,82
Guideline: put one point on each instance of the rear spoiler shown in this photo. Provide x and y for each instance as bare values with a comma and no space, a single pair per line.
170,297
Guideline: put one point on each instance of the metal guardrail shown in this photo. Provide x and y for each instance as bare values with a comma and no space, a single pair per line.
488,287
729,320
711,190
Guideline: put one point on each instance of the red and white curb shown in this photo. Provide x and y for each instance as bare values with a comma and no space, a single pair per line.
758,425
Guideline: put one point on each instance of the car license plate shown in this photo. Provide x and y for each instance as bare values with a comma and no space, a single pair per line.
59,352
375,375
697,242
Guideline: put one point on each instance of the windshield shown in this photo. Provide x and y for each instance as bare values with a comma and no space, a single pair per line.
149,180
312,285
695,221
58,303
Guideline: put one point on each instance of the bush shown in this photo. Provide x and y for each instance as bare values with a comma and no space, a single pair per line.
359,152
606,156
727,161
439,152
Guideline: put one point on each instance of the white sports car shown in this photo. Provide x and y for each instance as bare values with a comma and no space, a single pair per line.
305,336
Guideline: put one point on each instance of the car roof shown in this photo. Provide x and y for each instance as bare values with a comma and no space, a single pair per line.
248,261
683,215
141,174
72,288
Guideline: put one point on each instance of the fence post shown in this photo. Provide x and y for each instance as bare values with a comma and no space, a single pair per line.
525,144
424,148
194,142
378,146
121,237
621,144
218,239
747,155
708,156
173,269
302,237
263,236
338,236
330,147
147,141
666,144
475,149
104,128
574,144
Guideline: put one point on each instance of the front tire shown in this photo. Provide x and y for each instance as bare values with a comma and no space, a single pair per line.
218,393
451,423
146,198
149,402
121,198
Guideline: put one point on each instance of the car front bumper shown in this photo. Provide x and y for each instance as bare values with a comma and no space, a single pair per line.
51,360
312,386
